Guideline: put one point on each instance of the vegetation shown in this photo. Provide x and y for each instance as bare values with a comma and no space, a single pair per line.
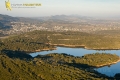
45,40
90,41
46,67
88,60
17,65
29,43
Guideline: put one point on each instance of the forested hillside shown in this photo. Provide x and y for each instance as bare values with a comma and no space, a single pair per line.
47,67
45,40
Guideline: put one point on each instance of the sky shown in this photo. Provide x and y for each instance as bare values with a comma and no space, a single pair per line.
91,8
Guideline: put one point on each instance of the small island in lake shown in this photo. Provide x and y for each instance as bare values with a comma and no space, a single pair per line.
91,60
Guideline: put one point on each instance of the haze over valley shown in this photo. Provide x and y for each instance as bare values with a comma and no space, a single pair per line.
18,25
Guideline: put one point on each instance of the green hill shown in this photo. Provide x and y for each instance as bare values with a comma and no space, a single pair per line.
42,68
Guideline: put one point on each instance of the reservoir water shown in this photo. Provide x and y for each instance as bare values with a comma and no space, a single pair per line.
108,70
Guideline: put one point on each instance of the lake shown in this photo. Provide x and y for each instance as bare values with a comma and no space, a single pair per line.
108,70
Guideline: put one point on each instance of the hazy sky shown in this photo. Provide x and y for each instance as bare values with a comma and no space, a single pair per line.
101,8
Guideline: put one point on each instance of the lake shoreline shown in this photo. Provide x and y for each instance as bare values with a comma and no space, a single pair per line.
45,49
102,65
83,46
80,46
97,66
69,46
78,51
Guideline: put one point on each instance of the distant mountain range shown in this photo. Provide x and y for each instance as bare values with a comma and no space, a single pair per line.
5,20
63,17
